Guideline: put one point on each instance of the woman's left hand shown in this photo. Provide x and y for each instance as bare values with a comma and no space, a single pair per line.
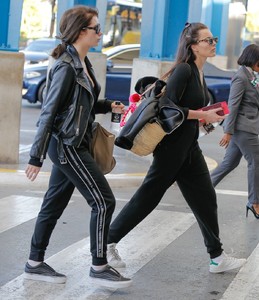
32,172
121,106
224,142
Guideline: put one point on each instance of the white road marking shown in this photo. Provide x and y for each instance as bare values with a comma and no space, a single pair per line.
15,210
155,233
29,130
24,148
231,192
245,285
140,246
222,192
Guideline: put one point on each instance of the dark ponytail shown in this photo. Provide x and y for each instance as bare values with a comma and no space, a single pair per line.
58,50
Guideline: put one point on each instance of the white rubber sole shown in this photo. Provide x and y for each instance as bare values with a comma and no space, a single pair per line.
110,284
50,279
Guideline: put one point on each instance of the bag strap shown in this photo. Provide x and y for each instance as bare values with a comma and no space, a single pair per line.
164,77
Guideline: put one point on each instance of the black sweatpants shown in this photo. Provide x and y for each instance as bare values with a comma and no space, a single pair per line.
81,172
174,161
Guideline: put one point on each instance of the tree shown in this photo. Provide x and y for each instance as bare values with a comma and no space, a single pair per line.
53,17
38,19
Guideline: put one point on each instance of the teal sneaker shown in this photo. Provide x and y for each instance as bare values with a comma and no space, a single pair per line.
228,263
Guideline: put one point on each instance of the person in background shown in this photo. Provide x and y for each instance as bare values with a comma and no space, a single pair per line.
241,127
65,127
179,158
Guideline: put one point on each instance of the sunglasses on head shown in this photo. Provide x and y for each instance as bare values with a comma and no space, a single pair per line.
96,28
210,41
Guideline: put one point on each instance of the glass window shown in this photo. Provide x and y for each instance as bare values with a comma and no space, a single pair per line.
41,46
125,57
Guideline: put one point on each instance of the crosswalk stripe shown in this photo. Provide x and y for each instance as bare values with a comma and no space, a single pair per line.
16,209
28,130
24,148
140,246
246,283
232,193
140,243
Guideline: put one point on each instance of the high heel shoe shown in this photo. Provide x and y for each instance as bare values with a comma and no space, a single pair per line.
252,210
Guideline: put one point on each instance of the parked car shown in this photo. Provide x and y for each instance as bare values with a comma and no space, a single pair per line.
34,81
218,82
39,50
119,69
118,77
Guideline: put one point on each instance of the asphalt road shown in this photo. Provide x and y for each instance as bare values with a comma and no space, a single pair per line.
165,254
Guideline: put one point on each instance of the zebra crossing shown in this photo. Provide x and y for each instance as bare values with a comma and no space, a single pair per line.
153,235
16,209
159,230
245,286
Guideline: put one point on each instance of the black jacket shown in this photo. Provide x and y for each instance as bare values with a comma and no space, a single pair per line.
70,105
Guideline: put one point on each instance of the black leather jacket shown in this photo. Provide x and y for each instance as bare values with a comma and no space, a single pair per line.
70,106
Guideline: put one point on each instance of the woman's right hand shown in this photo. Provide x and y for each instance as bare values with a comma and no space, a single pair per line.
211,116
208,116
121,106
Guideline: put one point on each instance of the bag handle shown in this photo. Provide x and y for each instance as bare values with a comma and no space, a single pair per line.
165,76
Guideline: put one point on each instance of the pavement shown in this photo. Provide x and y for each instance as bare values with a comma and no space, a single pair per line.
165,254
129,171
160,238
124,172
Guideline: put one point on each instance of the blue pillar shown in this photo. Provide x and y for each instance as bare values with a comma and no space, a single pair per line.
215,16
195,10
219,23
206,15
4,22
162,23
10,22
163,20
85,2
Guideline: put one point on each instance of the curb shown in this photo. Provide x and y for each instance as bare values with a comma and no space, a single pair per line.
17,178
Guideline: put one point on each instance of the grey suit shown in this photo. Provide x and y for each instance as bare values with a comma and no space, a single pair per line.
243,124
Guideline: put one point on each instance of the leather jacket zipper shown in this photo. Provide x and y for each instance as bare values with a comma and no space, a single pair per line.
78,120
80,112
82,137
44,147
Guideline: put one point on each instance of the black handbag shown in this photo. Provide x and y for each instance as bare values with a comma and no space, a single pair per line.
154,118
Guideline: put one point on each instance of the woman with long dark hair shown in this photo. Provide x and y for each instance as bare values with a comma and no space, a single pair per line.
179,158
65,131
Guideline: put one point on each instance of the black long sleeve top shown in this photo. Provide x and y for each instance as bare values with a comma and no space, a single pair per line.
184,87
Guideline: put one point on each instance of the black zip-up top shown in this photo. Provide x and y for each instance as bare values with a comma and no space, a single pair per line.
70,105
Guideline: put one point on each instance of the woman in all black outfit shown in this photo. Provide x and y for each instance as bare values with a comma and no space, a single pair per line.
179,158
65,128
